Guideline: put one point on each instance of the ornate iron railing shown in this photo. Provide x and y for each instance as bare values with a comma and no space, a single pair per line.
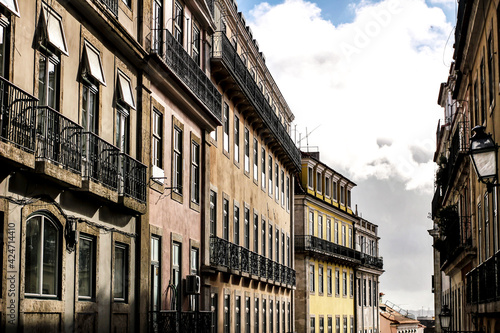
224,50
324,247
112,6
101,160
226,254
59,139
171,321
17,116
186,69
372,261
483,281
457,238
133,176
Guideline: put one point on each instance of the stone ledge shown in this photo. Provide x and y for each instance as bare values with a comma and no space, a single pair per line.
99,190
132,204
17,155
58,173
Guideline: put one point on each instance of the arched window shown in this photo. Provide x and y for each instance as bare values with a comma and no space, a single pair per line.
42,266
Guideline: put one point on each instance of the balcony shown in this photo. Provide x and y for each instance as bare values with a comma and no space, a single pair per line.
59,147
372,261
226,255
168,321
133,183
325,249
186,70
17,124
483,282
224,57
111,5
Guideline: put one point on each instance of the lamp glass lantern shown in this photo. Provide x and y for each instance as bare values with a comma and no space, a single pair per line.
483,153
445,317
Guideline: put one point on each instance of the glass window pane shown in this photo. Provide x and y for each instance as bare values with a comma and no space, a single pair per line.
120,271
85,267
50,273
54,29
32,264
94,65
125,89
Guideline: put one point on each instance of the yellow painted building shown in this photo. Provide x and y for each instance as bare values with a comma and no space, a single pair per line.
325,258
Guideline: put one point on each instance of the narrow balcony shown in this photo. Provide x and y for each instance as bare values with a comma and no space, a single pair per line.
111,5
226,60
326,250
133,183
229,256
372,261
171,321
483,282
59,147
186,70
17,124
101,161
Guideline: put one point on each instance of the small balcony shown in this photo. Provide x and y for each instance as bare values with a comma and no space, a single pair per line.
483,282
133,183
17,124
372,261
111,5
229,256
171,321
326,250
59,147
186,70
225,58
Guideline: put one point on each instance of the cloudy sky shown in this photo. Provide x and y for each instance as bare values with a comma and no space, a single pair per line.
362,78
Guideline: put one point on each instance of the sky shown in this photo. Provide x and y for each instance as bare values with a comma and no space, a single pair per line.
362,79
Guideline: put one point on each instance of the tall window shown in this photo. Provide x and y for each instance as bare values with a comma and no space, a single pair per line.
483,91
282,188
120,277
288,251
43,257
155,273
177,161
255,160
214,307
277,244
213,213
236,139
282,248
178,23
256,233
237,314
327,186
329,281
247,314
311,278
236,226
227,313
336,232
319,182
256,318
125,102
195,172
271,317
157,139
122,128
342,195
334,190
270,238
264,316
276,182
329,230
176,270
344,319
4,47
263,168
320,226
310,177
320,280
344,239
311,223
344,283
486,226
270,174
312,324
321,324
196,44
92,76
337,282
351,284
491,69
247,151
86,267
225,217
247,228
226,128
263,238
287,193
157,28
48,79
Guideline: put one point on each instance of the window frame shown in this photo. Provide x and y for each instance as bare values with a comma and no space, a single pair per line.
92,276
195,172
125,272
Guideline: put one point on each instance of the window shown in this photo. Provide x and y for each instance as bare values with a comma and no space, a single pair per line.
92,76
53,31
195,172
271,317
336,232
127,3
486,207
196,45
342,195
125,95
155,273
321,324
256,233
177,161
334,190
345,323
327,186
318,182
157,139
255,160
330,324
349,198
320,280
337,324
287,193
247,228
86,267
157,28
213,213
43,257
289,254
312,324
227,313
237,314
120,277
344,283
369,292
483,92
12,6
350,238
256,318
247,314
92,67
236,139
264,316
247,151
176,270
277,244
214,307
351,279
351,324
236,225
226,128
320,226
364,291
337,282
263,168
178,22
329,230
277,316
282,248
270,238
225,219
276,182
329,281
270,175
311,278
263,238
48,77
344,242
4,46
311,223
122,129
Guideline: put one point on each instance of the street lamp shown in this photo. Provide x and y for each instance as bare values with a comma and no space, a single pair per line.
483,153
445,317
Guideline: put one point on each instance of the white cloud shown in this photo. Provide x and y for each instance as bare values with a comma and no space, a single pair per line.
374,79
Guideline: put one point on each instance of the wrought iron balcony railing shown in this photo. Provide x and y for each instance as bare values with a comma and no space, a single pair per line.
133,177
223,49
101,160
112,6
372,261
17,116
226,254
457,238
483,282
59,139
325,248
171,321
186,69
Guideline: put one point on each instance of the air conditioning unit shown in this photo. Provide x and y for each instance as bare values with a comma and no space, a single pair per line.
193,284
